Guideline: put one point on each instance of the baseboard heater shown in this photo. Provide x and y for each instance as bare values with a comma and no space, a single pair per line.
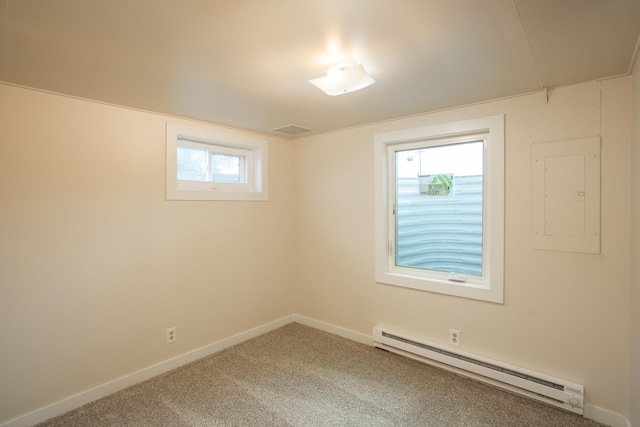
560,393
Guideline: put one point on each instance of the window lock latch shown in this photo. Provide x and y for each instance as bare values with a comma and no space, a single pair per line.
457,277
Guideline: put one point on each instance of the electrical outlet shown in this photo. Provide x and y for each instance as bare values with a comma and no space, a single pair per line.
454,337
171,335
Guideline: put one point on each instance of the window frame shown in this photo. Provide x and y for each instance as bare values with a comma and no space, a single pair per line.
491,286
253,150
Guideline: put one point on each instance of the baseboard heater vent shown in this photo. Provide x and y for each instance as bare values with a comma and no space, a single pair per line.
560,393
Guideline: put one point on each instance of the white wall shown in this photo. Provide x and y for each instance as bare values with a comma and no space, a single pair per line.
565,314
635,249
95,264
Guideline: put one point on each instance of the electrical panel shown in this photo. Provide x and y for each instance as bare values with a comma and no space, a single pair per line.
566,195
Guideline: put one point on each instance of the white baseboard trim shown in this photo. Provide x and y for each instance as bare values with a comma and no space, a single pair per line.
144,374
605,417
333,329
591,412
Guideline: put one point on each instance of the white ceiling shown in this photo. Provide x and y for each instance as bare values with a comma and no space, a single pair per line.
245,63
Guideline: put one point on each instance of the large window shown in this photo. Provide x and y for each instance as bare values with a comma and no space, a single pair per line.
439,208
205,164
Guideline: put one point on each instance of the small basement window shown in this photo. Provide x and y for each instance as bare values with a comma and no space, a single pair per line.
206,164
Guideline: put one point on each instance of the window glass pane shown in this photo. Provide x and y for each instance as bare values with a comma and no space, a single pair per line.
225,168
439,208
204,165
192,164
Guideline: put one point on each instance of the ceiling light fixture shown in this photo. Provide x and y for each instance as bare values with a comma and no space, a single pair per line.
343,78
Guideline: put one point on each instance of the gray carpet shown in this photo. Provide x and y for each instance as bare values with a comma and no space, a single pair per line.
299,376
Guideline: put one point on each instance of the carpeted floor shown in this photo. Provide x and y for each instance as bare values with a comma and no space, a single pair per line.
299,376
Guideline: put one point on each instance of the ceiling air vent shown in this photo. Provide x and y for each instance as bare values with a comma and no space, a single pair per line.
291,129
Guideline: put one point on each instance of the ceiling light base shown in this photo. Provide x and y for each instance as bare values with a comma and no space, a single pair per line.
343,78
